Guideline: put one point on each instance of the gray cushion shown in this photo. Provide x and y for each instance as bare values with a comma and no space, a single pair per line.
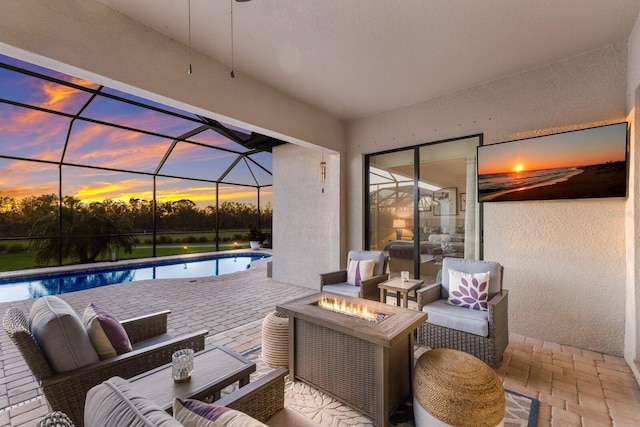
472,266
343,289
61,335
116,402
378,256
462,319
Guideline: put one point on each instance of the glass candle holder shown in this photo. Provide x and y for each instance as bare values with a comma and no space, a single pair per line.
404,276
182,365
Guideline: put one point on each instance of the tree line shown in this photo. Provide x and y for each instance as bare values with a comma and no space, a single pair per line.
17,217
89,230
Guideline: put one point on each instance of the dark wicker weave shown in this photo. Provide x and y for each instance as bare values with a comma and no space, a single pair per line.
368,288
350,368
56,419
66,391
489,349
260,399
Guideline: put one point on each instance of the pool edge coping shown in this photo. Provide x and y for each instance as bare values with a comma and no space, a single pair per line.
45,271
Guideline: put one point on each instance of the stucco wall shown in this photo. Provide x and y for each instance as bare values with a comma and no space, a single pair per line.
632,296
308,226
564,260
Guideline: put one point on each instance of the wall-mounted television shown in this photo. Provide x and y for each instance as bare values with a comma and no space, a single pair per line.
586,163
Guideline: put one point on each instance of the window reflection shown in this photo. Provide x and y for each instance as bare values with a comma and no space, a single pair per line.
417,219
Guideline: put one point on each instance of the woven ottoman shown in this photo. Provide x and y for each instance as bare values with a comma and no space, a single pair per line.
453,388
275,339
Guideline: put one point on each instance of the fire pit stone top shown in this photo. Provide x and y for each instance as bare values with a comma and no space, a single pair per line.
397,320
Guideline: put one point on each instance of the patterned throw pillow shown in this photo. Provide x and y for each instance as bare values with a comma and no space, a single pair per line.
359,271
105,331
468,290
191,412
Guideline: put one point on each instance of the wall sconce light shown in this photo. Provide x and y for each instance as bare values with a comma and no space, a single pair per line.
323,172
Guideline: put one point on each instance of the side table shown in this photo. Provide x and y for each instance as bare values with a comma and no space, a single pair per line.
401,287
213,370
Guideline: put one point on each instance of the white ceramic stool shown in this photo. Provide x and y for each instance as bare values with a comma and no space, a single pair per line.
453,388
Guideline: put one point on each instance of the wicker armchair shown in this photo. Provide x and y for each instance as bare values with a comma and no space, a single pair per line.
264,401
336,282
66,391
434,334
260,399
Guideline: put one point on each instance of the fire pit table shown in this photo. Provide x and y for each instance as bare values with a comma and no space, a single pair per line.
366,363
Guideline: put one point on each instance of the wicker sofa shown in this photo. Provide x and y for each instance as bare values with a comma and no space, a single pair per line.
117,402
65,391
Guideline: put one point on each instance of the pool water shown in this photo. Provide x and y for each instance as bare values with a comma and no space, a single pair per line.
22,288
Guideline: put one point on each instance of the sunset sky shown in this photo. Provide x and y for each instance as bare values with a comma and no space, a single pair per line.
579,148
30,134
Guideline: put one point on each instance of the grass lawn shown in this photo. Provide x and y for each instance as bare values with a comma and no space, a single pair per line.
26,260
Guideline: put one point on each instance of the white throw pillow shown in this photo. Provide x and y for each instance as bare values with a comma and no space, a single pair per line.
468,290
359,271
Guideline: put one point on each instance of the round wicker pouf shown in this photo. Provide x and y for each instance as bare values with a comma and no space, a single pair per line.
453,388
275,339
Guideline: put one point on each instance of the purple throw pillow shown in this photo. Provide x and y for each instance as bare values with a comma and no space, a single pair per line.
192,412
105,332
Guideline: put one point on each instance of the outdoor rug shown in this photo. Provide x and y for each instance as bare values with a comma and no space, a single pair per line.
521,411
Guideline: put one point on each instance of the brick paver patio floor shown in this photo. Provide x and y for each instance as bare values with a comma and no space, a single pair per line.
231,307
575,387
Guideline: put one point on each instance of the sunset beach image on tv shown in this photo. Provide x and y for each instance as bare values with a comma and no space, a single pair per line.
587,163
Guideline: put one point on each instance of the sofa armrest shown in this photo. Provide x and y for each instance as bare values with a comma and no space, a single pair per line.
67,391
259,399
498,308
369,288
428,294
333,277
498,318
145,327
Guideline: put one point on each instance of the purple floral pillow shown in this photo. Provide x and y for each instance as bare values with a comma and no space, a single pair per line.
468,290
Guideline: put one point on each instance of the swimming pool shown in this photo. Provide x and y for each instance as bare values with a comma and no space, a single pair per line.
21,288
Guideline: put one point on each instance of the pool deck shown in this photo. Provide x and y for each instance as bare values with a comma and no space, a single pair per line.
231,307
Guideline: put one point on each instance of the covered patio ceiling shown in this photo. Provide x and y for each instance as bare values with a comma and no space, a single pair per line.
356,58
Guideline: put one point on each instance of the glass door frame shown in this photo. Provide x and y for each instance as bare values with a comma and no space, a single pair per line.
416,196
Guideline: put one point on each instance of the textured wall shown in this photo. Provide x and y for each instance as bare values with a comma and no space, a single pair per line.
306,221
632,297
564,260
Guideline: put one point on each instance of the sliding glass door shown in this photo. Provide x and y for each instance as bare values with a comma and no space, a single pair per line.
422,205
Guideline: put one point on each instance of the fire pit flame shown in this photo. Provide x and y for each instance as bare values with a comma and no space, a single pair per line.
355,310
